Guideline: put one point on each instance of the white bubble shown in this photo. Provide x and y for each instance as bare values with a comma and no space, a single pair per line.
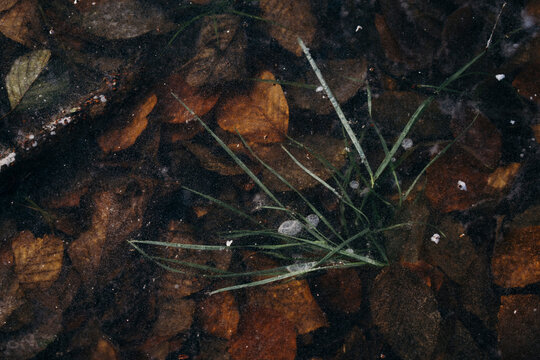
499,77
313,220
354,184
435,238
461,185
407,143
290,227
301,266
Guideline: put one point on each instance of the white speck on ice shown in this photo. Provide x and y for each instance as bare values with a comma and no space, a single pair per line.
313,220
354,184
319,89
358,28
290,227
228,242
435,238
461,185
407,143
500,76
102,98
512,122
7,160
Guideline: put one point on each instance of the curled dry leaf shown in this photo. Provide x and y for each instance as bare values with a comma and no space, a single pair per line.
24,71
220,52
291,19
260,117
173,111
123,19
120,139
37,261
21,23
344,77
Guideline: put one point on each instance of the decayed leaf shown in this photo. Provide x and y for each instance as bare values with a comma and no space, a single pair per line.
455,181
294,19
37,261
120,139
219,315
482,140
24,71
6,4
405,311
21,23
292,300
173,111
502,177
263,334
260,117
220,52
123,19
209,161
344,78
329,148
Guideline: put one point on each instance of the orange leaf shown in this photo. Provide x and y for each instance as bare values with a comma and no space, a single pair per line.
120,139
260,117
174,112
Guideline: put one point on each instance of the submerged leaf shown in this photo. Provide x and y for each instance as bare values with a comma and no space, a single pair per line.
260,117
21,23
6,4
37,261
24,71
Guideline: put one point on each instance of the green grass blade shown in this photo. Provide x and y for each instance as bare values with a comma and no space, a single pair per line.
338,110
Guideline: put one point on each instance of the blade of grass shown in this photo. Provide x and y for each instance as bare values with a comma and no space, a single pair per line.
338,110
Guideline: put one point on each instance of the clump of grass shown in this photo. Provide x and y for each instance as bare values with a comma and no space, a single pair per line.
350,239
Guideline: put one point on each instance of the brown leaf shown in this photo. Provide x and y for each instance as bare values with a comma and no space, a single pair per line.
263,334
37,261
329,148
260,117
6,4
344,78
120,139
295,19
220,52
123,19
341,289
501,179
21,24
405,311
293,301
516,260
482,140
209,161
443,187
173,111
526,82
175,315
219,315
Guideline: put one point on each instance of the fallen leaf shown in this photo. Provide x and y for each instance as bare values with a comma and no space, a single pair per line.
24,71
525,82
220,52
291,19
21,24
211,162
172,111
37,261
329,148
405,311
341,289
260,117
219,315
174,316
388,42
516,260
121,139
482,140
455,181
6,4
501,179
263,334
344,78
124,19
